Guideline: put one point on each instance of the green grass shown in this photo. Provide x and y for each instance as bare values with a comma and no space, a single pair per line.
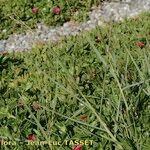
16,15
92,87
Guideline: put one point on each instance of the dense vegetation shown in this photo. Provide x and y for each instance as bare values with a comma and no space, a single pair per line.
95,86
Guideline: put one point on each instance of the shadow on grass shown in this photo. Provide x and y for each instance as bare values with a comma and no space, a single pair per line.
5,61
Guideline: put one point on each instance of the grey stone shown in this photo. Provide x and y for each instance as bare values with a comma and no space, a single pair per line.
2,45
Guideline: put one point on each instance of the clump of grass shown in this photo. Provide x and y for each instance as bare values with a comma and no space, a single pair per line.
94,87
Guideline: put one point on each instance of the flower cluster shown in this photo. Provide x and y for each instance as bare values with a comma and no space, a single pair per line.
55,10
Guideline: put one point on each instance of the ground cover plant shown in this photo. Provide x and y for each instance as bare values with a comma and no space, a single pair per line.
18,16
95,86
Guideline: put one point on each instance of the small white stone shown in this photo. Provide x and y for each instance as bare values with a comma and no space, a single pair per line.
4,31
100,23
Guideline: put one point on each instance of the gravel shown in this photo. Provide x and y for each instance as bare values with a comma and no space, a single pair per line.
108,11
2,45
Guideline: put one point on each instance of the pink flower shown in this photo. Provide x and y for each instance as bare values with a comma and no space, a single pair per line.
35,10
140,44
56,10
77,147
31,137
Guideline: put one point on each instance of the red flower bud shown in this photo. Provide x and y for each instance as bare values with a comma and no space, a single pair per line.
78,147
140,44
31,137
83,117
56,10
35,10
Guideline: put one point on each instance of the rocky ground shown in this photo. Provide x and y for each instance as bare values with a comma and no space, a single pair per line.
109,11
